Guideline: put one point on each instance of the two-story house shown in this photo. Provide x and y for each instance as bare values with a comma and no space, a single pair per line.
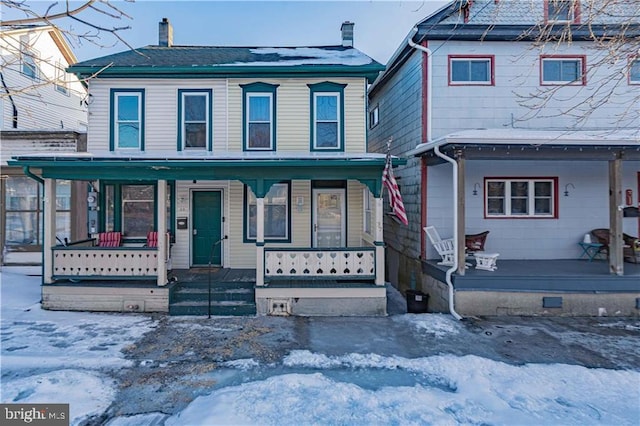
252,160
519,118
41,110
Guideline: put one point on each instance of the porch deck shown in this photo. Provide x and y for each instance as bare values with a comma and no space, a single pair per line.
564,275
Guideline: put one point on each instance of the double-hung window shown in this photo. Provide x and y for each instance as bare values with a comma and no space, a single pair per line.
194,122
29,67
563,70
562,11
127,119
277,213
259,116
374,117
634,71
327,116
61,84
521,197
467,71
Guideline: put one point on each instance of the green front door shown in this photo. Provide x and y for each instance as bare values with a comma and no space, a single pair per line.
206,228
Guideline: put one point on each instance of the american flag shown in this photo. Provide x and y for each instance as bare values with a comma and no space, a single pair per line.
395,199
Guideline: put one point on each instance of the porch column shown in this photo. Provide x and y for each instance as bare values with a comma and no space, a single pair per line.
616,242
379,243
259,241
49,237
461,214
163,248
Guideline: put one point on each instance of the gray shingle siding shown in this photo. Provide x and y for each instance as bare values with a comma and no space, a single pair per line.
400,109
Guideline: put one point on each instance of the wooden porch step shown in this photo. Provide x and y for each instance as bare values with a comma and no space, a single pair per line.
227,298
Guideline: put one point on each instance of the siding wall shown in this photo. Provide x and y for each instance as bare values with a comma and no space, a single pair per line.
586,207
40,106
400,112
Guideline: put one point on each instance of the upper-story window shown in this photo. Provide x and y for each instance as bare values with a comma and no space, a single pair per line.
29,67
562,11
127,119
521,197
194,119
61,84
374,117
327,116
634,71
563,70
471,70
259,116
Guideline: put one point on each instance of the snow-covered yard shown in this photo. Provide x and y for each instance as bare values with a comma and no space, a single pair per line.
69,357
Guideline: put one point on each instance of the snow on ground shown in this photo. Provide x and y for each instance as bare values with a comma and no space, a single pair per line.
64,357
50,356
451,390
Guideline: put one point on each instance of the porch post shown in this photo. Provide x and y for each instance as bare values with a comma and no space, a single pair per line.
616,242
49,237
379,243
162,230
259,241
461,214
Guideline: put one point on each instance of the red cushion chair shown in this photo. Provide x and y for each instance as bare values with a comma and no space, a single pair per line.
152,239
109,239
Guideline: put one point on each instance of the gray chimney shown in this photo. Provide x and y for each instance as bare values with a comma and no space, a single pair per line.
347,33
165,33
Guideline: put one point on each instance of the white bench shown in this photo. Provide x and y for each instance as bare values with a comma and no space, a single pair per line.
486,261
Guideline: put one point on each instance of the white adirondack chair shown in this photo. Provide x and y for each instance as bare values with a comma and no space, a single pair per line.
445,248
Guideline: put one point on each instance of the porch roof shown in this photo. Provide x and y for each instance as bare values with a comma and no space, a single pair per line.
531,144
256,169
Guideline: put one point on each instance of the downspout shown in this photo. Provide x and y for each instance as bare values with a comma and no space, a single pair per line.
29,173
454,267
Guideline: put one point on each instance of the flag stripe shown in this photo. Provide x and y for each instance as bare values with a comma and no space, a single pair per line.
395,198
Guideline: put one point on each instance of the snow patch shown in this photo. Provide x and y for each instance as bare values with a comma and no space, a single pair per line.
439,325
242,364
309,56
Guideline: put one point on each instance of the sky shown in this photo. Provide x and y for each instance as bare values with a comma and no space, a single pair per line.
68,357
380,25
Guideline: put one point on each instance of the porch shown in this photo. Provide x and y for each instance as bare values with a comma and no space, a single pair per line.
539,287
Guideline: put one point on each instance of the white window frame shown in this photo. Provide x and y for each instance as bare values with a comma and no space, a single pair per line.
338,145
580,81
250,200
634,65
61,84
116,124
367,209
374,117
488,60
249,122
207,117
531,198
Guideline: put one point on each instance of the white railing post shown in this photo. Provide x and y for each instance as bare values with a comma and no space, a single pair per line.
49,236
161,209
259,241
379,243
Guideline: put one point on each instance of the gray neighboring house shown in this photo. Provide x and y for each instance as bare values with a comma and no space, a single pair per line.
458,100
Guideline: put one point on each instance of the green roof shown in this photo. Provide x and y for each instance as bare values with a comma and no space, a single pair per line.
202,61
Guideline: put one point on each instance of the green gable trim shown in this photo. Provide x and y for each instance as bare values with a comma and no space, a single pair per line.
209,92
112,117
330,88
258,87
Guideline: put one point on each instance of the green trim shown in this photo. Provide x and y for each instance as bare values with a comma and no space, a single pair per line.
328,88
379,243
259,88
30,174
112,118
369,71
263,188
209,93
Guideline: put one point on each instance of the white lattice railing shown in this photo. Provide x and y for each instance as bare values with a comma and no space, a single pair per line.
320,263
105,262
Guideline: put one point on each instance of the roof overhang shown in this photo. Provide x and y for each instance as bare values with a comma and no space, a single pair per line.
248,167
523,144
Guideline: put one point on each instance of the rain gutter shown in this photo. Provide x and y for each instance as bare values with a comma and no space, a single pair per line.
437,151
31,175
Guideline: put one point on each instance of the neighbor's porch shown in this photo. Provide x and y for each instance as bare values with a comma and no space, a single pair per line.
538,287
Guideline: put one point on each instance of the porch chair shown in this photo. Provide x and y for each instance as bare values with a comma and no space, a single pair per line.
152,239
109,239
630,250
475,242
445,248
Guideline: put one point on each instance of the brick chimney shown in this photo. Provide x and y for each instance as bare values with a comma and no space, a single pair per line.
347,33
165,33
